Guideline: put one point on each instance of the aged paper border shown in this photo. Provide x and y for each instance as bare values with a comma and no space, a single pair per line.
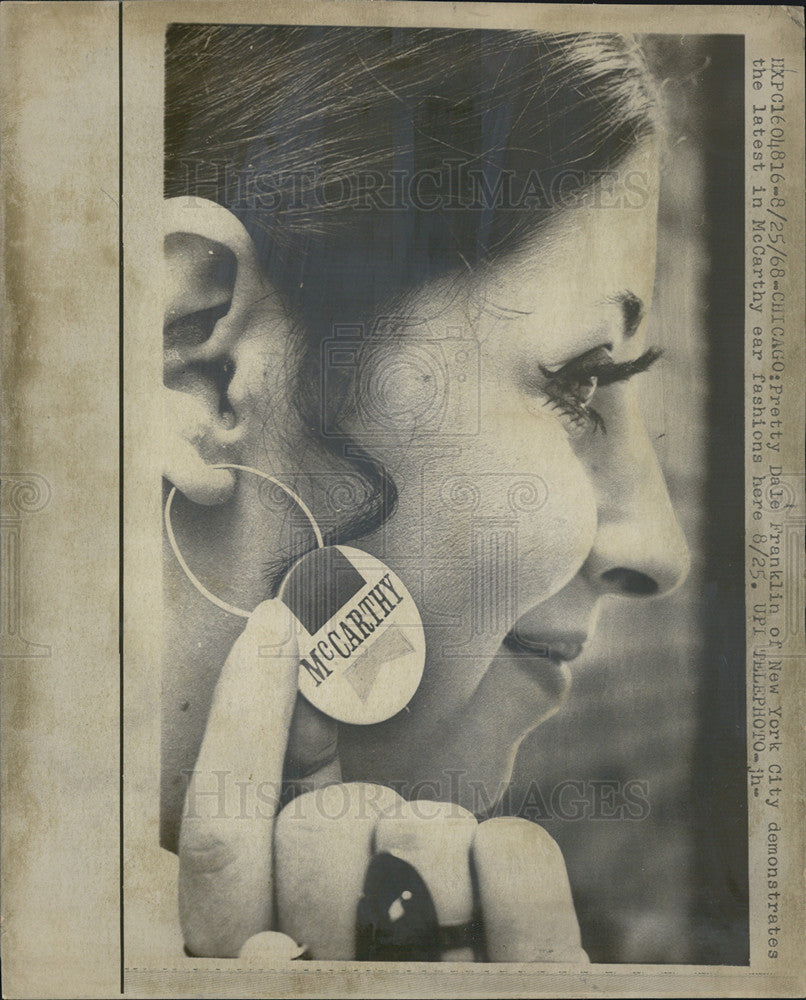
61,712
60,501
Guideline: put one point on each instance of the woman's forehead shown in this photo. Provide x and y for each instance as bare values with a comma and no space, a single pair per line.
597,253
595,257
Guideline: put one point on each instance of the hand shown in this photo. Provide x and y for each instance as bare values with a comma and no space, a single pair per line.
314,855
329,843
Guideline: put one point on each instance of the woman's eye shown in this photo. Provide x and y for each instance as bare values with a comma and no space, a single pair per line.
568,391
586,388
570,398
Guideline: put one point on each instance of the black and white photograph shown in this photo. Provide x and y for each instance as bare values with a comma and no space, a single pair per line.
454,655
402,499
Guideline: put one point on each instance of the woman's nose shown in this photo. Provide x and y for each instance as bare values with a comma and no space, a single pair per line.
639,549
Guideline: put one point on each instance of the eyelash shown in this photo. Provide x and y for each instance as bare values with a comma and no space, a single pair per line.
595,370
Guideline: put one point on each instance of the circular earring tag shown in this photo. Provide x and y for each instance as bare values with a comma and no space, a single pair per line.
361,638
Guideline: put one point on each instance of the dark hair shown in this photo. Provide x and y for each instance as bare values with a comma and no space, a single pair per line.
315,137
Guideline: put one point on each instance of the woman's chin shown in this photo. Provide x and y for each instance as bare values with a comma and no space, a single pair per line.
466,754
549,671
470,758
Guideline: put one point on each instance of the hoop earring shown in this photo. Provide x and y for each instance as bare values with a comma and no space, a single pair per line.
360,635
181,559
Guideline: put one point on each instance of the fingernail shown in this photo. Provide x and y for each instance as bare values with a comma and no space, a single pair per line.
270,628
397,921
269,947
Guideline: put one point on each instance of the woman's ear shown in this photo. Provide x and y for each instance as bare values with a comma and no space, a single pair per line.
222,322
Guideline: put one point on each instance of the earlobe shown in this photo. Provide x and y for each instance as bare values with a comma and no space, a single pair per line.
214,296
189,454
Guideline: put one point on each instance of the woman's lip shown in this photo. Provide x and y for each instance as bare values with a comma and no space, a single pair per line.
563,649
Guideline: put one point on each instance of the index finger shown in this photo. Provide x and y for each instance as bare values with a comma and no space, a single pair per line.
225,850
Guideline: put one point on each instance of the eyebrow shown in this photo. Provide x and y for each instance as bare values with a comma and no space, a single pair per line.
632,309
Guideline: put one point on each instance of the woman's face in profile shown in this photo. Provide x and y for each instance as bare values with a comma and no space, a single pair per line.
528,491
528,488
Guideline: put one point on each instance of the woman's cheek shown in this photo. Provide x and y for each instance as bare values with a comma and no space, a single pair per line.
521,501
555,530
491,525
556,544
